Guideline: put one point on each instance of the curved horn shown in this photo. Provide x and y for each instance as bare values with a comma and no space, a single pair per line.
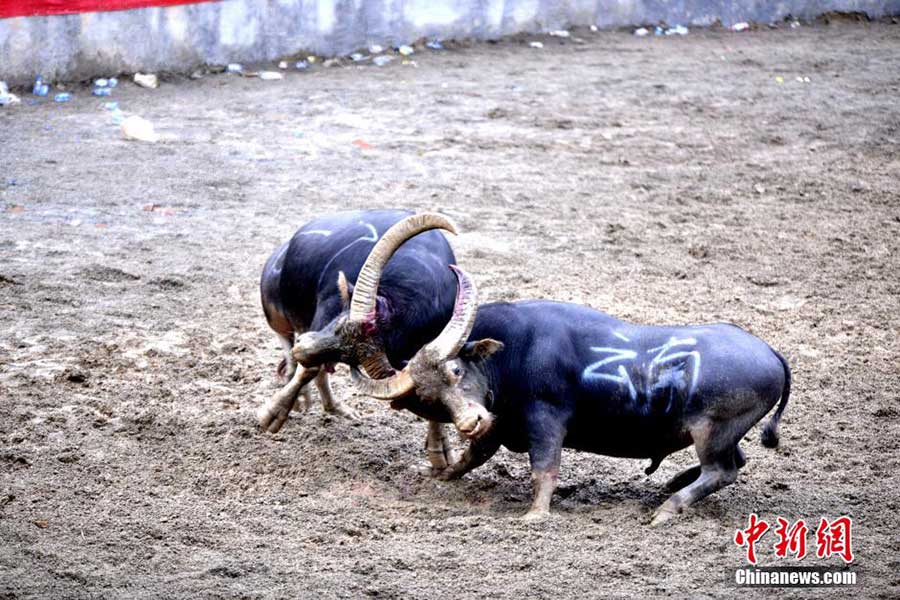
363,302
377,366
456,332
394,386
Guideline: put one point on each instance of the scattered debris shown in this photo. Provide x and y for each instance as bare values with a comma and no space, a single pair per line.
795,24
742,26
140,129
301,65
381,61
594,28
538,45
283,64
375,49
357,56
560,33
803,79
435,45
779,79
6,98
147,80
405,50
118,117
40,88
311,59
234,68
641,31
62,97
270,75
101,83
677,30
42,523
101,91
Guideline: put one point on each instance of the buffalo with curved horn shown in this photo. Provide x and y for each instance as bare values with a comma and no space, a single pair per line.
570,376
404,294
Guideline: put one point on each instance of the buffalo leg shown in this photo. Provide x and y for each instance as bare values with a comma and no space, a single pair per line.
719,456
438,449
476,454
274,413
288,365
329,402
684,478
546,431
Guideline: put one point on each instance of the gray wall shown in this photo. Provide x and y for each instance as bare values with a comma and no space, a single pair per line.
182,37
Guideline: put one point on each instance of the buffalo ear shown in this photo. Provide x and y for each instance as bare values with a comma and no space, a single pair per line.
346,290
481,349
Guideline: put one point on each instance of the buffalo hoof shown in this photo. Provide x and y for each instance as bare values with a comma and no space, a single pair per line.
448,474
271,421
340,410
661,516
535,516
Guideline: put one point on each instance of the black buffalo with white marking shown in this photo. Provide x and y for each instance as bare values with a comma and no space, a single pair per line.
403,297
540,376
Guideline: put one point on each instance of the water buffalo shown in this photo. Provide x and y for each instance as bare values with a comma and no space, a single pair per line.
307,286
539,376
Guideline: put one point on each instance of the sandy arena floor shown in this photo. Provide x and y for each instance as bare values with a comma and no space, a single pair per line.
665,180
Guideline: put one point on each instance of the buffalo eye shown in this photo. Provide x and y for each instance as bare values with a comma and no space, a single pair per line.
457,371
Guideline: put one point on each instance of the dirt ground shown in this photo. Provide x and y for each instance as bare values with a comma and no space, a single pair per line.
664,180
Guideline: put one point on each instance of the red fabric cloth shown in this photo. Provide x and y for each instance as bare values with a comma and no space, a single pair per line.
29,8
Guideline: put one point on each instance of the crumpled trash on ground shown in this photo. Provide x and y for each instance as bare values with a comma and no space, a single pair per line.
641,31
146,80
7,99
537,45
381,61
405,50
560,33
139,129
40,88
677,30
270,75
742,26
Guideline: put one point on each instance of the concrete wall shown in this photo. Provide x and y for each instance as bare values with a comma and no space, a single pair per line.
182,37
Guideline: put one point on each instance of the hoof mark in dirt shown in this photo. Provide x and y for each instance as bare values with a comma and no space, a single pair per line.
168,283
103,273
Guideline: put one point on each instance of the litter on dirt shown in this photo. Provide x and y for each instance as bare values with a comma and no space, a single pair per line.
139,129
536,44
146,80
270,75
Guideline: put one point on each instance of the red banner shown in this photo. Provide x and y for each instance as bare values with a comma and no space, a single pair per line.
31,8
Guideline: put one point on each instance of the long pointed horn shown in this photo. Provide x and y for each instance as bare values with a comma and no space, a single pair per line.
456,332
444,346
363,302
394,386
